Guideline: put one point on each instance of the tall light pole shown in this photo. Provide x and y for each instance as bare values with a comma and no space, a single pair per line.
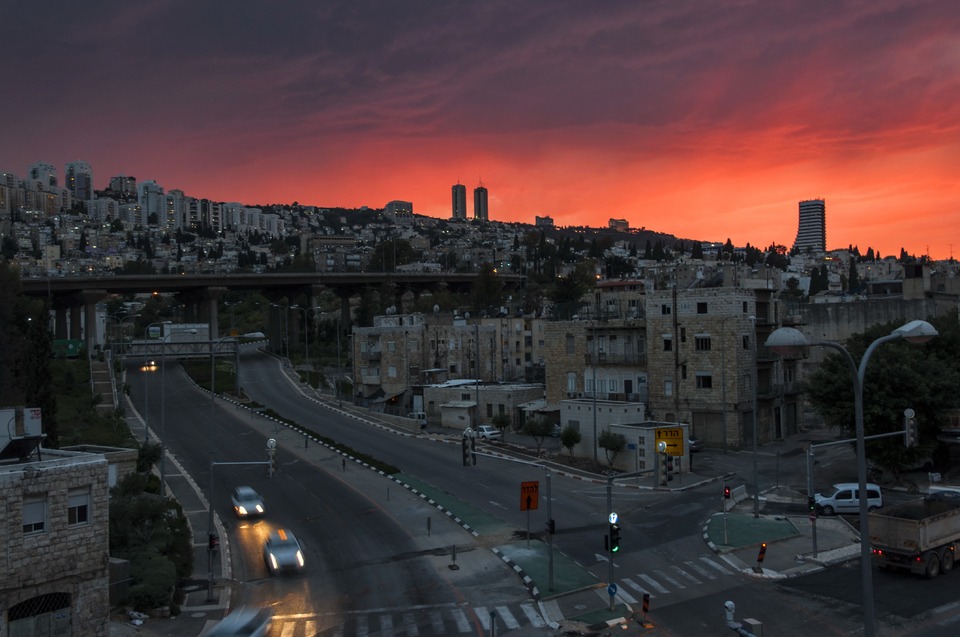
788,341
163,407
148,366
213,395
306,335
756,372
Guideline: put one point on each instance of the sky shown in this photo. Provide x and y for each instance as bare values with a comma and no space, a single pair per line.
705,119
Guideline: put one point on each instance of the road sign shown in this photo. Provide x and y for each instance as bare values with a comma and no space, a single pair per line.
612,590
529,495
673,437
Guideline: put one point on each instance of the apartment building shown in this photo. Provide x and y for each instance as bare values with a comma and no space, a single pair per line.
54,577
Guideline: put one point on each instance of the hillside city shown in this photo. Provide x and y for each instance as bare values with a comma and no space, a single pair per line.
614,333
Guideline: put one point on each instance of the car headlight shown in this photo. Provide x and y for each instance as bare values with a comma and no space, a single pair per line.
273,561
259,508
300,559
241,510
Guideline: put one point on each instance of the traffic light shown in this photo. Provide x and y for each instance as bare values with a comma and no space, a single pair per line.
909,428
726,492
662,470
811,504
473,448
614,538
212,541
551,527
669,460
466,451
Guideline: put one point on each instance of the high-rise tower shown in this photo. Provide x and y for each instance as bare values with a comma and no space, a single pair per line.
480,211
812,229
459,210
79,178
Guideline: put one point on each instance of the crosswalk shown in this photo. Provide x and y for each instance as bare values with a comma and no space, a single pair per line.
420,623
672,578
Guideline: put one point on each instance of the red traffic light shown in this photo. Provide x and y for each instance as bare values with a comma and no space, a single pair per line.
726,493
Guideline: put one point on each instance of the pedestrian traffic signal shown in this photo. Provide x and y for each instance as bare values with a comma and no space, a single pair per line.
551,527
213,541
662,470
726,492
614,538
811,504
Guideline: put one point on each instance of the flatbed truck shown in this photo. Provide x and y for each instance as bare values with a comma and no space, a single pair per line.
921,536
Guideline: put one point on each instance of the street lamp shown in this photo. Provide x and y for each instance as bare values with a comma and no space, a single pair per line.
213,395
163,405
306,336
753,384
793,343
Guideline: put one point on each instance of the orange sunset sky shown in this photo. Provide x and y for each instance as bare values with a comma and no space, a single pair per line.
706,119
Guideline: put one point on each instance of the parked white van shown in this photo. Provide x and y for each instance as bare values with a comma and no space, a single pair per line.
845,498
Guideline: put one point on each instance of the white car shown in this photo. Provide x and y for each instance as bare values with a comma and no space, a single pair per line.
246,502
248,622
488,432
282,552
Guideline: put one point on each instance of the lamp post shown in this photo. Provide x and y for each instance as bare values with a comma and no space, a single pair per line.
788,341
306,336
753,384
163,406
148,366
213,395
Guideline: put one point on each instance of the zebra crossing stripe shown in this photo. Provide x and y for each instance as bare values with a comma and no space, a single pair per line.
437,622
702,572
463,624
287,629
670,580
507,617
629,582
386,625
682,572
483,615
410,625
719,567
625,596
362,629
310,628
532,616
652,582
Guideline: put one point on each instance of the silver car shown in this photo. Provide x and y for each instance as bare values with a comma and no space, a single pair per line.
282,552
246,502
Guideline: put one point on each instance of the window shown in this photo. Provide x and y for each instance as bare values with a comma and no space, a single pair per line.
34,515
78,506
665,309
668,388
464,396
489,410
683,372
704,380
746,341
668,344
702,307
391,346
613,385
570,344
683,335
571,382
702,343
392,371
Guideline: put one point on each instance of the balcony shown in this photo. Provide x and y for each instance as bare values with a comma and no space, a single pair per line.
371,355
615,358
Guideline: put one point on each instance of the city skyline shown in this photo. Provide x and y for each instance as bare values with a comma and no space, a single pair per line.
705,120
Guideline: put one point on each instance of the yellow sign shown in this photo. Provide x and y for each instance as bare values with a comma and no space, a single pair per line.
673,437
529,495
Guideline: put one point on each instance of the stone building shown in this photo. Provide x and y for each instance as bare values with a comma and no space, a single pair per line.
54,576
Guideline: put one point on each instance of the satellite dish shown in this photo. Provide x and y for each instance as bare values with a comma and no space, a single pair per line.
436,308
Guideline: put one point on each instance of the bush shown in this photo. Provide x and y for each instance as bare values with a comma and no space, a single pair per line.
154,580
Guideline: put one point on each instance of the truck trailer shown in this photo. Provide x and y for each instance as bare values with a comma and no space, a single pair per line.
921,536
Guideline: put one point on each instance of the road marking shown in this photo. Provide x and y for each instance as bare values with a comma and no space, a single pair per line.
508,619
700,571
310,629
683,573
652,582
625,596
532,615
386,625
629,582
362,629
483,615
410,625
463,624
288,628
437,622
669,579
720,567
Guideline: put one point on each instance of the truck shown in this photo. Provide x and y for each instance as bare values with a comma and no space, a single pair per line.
920,536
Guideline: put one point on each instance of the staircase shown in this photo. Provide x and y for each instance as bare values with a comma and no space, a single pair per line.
102,385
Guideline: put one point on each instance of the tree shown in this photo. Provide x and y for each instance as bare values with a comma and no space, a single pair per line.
899,375
612,444
570,437
853,279
538,428
502,422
